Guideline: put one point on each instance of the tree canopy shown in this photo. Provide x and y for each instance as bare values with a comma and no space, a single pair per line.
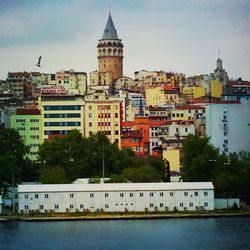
230,174
81,157
13,158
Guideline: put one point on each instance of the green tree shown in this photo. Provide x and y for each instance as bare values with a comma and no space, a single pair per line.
146,173
13,157
200,159
54,175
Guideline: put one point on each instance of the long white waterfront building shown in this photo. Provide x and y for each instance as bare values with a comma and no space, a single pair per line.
114,197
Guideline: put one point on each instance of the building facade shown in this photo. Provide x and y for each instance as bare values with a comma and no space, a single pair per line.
103,116
227,126
119,197
61,114
28,123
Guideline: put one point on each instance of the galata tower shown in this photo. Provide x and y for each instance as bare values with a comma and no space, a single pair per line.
110,55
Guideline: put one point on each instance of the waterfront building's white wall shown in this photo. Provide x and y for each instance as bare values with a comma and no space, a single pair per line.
228,126
116,197
1,204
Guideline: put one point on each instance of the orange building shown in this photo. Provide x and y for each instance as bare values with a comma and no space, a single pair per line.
141,135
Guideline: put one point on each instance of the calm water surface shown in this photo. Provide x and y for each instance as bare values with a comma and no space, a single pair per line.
219,233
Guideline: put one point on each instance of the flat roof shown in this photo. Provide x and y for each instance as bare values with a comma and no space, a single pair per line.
114,187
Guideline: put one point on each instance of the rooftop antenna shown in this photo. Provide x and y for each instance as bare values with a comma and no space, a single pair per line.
219,53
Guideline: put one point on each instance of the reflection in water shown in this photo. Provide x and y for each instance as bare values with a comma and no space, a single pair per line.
219,233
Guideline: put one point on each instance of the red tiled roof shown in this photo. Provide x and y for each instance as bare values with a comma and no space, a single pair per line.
28,112
189,107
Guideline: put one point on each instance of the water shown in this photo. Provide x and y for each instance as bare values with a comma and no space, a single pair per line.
213,233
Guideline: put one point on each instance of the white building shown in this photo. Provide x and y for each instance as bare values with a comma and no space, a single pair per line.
116,197
1,204
228,126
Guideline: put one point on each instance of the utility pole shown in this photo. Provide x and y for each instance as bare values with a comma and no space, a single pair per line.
13,190
103,163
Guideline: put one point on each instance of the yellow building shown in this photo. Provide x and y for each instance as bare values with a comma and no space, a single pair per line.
187,112
155,96
103,116
165,94
193,92
173,156
216,88
60,114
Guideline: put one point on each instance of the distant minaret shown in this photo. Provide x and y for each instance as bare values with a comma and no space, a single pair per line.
110,55
219,63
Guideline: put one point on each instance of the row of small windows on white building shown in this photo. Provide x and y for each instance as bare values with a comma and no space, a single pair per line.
141,194
23,120
151,205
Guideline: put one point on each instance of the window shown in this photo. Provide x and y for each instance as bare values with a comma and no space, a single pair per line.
26,207
34,137
106,195
41,207
151,194
71,206
34,128
171,193
185,193
131,194
151,204
20,120
177,130
116,132
90,107
191,204
34,120
195,193
46,196
90,115
186,129
106,205
81,206
26,196
205,193
56,206
205,204
71,195
161,204
161,193
90,124
91,195
63,115
141,194
121,194
181,204
116,115
36,196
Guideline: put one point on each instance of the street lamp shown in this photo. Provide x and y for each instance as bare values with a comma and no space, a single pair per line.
103,164
13,190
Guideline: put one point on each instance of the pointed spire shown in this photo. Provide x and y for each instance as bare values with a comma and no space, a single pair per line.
110,31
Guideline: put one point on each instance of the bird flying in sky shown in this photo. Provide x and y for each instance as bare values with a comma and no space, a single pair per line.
39,62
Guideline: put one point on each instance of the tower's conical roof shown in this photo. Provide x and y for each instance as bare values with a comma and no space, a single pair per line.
110,31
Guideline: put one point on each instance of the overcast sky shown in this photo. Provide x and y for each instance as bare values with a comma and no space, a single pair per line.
171,35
